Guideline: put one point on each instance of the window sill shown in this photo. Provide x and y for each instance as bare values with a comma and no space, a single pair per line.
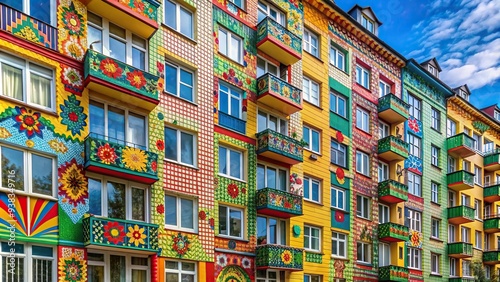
232,178
313,152
233,238
315,57
340,210
363,218
436,275
434,203
185,231
478,249
181,164
30,106
363,175
191,40
27,194
364,263
314,105
180,98
314,202
340,258
344,71
231,60
436,239
346,119
436,167
362,86
314,251
364,131
437,131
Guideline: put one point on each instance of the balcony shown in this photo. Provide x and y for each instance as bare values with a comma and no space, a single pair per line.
460,250
120,81
279,147
114,234
393,232
278,94
24,26
393,273
278,203
491,223
276,41
118,158
392,148
393,192
460,145
491,192
460,214
392,109
491,161
279,257
460,180
491,256
461,279
138,16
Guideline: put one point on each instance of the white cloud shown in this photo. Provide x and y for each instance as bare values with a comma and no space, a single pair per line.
485,16
491,36
451,63
464,43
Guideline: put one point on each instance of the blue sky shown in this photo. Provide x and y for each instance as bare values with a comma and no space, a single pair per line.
464,36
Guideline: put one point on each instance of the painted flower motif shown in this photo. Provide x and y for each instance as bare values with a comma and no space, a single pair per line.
72,76
160,209
246,263
243,190
181,244
211,222
58,146
154,166
134,158
413,125
202,215
72,115
107,154
4,133
136,235
73,48
113,232
30,143
72,183
415,238
73,21
339,216
139,6
232,190
136,79
222,260
287,39
73,270
340,175
160,145
28,122
286,257
340,136
110,68
160,67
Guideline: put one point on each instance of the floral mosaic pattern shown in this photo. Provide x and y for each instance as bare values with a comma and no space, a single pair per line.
392,102
183,245
28,122
271,84
268,28
269,140
393,273
71,22
277,200
276,256
416,239
393,232
73,116
72,80
120,233
414,126
414,164
72,183
145,8
296,184
72,264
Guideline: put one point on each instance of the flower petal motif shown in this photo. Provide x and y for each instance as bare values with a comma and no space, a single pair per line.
107,154
28,122
136,79
4,133
221,260
113,232
286,257
180,244
72,21
136,235
232,190
134,159
73,183
246,263
58,146
72,115
110,68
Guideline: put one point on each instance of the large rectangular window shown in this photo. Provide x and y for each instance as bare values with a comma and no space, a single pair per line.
25,262
414,220
312,189
363,120
118,267
43,10
338,104
179,271
231,222
338,153
312,138
230,100
179,18
364,252
337,58
179,81
310,91
180,213
415,145
271,231
273,122
363,207
414,184
339,245
180,146
312,238
310,43
230,162
231,45
415,107
435,263
414,258
27,82
362,163
363,77
384,254
338,198
271,177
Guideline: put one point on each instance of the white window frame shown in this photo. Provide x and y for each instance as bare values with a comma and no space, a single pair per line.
434,192
266,9
435,228
279,231
478,175
415,106
309,139
28,258
478,240
465,234
365,249
268,63
180,215
128,195
179,147
362,163
228,45
452,233
383,171
414,184
310,277
338,153
384,254
228,222
367,23
477,209
496,115
363,120
414,220
307,91
451,128
435,151
414,258
384,214
337,58
361,74
435,119
340,198
177,28
228,164
452,164
384,88
281,123
263,275
477,141
28,174
453,267
232,93
334,101
363,207
27,10
435,263
308,45
128,262
27,68
415,145
308,197
179,82
339,240
277,169
466,271
180,271
384,129
310,237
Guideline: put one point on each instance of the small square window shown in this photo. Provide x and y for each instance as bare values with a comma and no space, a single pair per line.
180,146
231,222
180,213
312,238
230,163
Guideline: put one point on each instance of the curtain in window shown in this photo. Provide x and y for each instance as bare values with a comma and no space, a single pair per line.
12,80
40,86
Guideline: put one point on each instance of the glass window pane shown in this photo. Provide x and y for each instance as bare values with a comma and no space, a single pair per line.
95,195
117,268
271,178
139,275
273,236
116,124
187,278
282,180
12,80
261,230
42,174
170,14
315,141
261,121
235,158
315,191
223,221
96,118
186,86
41,10
170,210
235,107
95,273
186,18
261,180
170,143
170,78
116,200
138,204
223,41
222,160
235,221
138,58
40,92
187,148
187,210
41,269
117,49
137,129
235,49
188,266
12,161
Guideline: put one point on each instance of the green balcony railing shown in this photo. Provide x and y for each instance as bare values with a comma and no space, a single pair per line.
460,248
123,234
460,140
277,41
491,223
491,160
393,273
278,94
278,203
394,145
461,279
393,232
279,257
392,191
123,159
460,177
491,256
394,104
147,9
118,74
461,211
278,146
492,191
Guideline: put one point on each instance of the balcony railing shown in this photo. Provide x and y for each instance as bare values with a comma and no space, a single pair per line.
27,27
279,257
392,148
491,192
122,234
393,192
120,159
276,41
392,109
491,160
393,273
393,232
461,279
461,214
460,250
278,203
232,122
460,145
460,180
278,94
491,256
279,147
120,81
491,223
